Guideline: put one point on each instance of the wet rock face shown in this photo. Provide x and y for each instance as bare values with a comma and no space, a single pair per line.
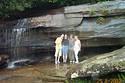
4,60
99,65
101,24
82,20
110,27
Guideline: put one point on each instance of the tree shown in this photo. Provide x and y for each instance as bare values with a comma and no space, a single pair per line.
9,6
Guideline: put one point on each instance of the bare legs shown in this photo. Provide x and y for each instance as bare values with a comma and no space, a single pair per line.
76,56
71,56
64,58
57,55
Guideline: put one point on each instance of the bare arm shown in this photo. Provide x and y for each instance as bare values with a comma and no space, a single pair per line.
56,40
80,44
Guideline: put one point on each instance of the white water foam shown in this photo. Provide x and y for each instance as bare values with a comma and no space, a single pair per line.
12,64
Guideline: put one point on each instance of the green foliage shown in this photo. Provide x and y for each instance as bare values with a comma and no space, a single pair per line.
115,77
92,12
104,12
7,7
102,20
121,76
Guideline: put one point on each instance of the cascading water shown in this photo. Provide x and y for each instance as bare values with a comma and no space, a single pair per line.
17,40
16,37
28,45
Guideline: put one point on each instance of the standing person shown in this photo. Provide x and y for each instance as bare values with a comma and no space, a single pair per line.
77,48
58,48
65,44
71,50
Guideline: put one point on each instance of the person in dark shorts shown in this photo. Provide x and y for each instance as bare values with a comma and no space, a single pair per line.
71,50
65,46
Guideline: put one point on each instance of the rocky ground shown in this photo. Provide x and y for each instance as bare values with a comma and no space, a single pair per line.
3,60
99,65
40,73
48,72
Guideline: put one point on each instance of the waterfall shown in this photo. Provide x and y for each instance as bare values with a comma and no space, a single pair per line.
18,35
16,38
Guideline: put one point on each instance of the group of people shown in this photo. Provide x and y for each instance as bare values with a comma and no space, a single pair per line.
67,47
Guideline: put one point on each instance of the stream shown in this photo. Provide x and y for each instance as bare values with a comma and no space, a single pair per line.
43,69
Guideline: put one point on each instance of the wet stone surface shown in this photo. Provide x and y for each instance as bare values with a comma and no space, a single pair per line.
99,65
40,73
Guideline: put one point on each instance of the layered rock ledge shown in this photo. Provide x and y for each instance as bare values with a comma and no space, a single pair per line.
96,25
99,65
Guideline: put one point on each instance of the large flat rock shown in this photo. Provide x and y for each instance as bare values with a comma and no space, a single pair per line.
99,65
100,9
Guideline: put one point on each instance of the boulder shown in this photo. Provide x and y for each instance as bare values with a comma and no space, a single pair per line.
4,60
99,65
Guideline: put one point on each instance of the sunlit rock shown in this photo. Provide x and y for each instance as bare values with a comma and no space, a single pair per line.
74,75
100,64
100,9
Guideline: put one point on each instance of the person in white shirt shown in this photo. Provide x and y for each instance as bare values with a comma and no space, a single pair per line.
77,48
58,48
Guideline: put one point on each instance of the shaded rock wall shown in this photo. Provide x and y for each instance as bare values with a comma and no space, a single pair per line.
82,20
